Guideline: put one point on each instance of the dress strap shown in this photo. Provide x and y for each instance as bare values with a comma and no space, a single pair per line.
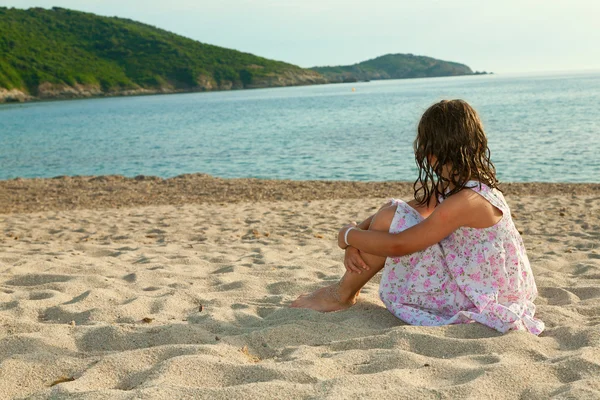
494,196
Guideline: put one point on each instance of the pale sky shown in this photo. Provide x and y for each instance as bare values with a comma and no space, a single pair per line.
503,36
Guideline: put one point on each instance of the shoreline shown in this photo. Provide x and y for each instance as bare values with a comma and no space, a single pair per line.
93,192
19,96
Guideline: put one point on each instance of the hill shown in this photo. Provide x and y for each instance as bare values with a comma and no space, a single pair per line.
61,53
394,66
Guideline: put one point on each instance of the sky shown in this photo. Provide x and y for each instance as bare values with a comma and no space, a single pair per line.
503,36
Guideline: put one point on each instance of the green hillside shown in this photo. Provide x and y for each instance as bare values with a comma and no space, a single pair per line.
60,53
64,53
393,66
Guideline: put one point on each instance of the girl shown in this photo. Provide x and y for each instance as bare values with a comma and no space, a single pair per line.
452,254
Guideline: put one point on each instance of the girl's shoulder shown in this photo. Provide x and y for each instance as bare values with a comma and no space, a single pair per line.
475,206
492,195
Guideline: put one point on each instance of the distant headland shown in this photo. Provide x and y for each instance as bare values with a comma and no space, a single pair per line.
395,66
62,54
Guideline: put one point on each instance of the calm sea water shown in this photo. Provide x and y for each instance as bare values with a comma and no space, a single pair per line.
540,128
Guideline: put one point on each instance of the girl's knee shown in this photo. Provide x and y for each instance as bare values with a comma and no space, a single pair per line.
383,219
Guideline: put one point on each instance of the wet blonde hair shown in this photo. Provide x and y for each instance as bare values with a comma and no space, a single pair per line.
452,132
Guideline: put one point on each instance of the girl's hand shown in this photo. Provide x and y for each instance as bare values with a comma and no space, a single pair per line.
353,261
342,233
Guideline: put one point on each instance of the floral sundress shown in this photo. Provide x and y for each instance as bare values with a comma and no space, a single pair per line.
480,275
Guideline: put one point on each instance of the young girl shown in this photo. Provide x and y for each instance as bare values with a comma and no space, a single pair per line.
452,254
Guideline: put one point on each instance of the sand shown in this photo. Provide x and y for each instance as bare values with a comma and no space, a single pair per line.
156,292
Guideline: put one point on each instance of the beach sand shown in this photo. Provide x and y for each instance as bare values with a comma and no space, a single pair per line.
115,288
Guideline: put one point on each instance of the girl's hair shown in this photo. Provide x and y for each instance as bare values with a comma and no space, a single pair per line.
450,135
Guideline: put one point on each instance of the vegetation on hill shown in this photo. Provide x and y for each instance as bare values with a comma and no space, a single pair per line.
43,52
393,66
60,53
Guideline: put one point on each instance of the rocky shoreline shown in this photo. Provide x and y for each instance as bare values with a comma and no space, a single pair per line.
66,92
50,91
69,193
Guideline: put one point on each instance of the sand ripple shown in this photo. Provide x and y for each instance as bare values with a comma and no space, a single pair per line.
190,301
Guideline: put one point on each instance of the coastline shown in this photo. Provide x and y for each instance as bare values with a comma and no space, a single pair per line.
17,96
122,288
80,92
89,192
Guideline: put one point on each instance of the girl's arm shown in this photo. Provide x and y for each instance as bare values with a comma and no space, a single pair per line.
352,258
456,211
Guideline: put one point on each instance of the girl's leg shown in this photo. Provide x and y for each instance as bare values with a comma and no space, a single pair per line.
343,294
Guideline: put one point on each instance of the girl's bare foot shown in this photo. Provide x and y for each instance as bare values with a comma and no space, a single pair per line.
325,299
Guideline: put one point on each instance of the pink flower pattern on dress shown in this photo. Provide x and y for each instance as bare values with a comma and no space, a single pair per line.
473,275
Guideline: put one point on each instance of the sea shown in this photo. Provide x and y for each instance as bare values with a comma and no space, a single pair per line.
540,128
